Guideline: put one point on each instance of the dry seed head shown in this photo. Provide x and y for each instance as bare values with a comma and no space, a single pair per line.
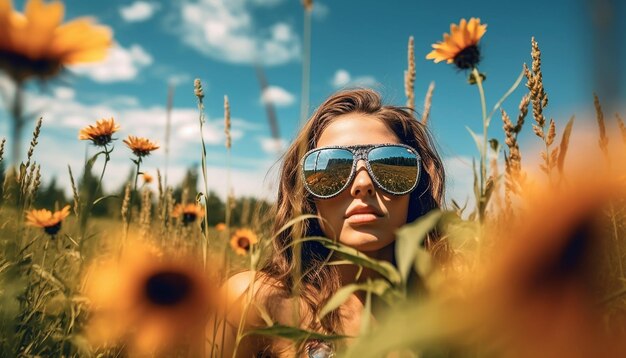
126,203
622,127
33,142
197,89
36,183
523,111
428,100
4,140
551,133
409,75
604,140
74,192
538,131
227,122
509,129
308,5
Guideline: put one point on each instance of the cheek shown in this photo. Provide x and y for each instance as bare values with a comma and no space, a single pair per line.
398,208
332,212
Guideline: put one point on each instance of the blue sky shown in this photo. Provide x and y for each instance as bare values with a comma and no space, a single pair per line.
353,43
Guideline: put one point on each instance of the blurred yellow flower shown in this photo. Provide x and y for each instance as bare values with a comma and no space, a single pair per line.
242,241
49,221
36,43
147,301
188,213
141,147
147,178
220,227
100,133
461,45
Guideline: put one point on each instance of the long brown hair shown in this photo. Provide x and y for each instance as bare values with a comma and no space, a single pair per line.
318,281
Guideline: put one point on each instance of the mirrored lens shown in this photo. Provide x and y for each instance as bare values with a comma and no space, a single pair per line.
396,168
327,171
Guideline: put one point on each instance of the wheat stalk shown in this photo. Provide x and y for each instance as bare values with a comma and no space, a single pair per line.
622,126
428,101
539,99
409,76
603,142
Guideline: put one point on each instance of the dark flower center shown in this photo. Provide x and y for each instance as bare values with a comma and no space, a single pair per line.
101,140
244,243
467,58
168,288
52,230
21,67
189,218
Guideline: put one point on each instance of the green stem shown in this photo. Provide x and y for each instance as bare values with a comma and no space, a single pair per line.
483,154
205,240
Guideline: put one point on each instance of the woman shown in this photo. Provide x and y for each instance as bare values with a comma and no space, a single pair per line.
365,170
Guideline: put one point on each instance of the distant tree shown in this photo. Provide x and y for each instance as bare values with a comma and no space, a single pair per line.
50,196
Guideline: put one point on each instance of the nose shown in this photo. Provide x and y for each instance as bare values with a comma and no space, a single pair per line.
362,185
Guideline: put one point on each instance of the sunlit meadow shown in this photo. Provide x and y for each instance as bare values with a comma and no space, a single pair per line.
536,261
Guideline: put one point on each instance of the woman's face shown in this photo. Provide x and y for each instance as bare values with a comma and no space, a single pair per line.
362,216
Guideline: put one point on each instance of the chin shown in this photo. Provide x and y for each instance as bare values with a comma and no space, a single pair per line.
365,241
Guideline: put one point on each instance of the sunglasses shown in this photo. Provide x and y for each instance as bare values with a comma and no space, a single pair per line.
327,171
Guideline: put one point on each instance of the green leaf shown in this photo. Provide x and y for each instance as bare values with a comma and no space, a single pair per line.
104,197
410,238
378,287
504,97
294,221
292,333
89,164
477,140
358,258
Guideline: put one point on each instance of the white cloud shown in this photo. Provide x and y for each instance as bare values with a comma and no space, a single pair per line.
342,78
273,146
266,3
225,31
59,146
138,11
278,96
64,93
120,65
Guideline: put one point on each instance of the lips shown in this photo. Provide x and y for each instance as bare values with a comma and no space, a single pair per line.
363,214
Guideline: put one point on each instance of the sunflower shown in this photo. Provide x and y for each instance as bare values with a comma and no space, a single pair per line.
49,221
147,178
141,147
461,45
188,213
220,227
100,133
36,44
148,301
242,241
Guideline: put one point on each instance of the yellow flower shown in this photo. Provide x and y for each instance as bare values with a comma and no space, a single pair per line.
100,133
147,178
220,227
147,301
461,46
140,146
49,221
242,241
36,43
188,213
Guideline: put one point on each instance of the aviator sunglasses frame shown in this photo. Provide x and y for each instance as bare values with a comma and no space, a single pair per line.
361,152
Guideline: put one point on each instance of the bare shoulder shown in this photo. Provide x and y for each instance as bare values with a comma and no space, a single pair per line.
249,293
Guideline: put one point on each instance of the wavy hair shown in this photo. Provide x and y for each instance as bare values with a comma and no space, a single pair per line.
317,282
